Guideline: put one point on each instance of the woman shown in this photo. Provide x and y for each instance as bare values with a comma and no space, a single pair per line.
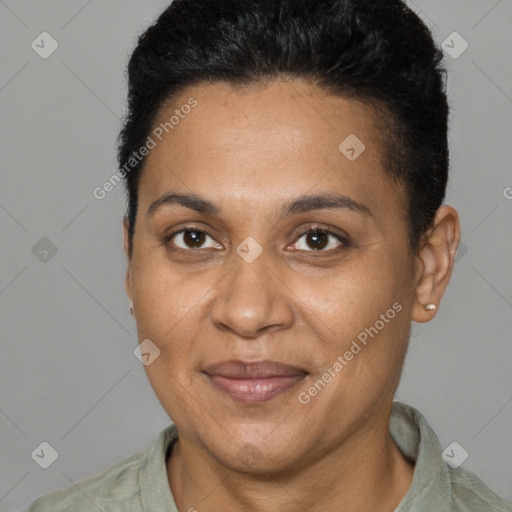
286,164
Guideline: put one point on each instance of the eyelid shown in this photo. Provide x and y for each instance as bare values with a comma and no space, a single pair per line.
168,237
342,237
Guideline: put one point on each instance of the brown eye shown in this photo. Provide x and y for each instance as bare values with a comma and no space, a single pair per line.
322,240
317,240
192,239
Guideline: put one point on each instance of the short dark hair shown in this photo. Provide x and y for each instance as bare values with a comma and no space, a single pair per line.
376,51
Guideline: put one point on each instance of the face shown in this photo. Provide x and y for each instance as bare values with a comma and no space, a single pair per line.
271,268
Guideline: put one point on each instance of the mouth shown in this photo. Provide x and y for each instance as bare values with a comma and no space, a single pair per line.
253,382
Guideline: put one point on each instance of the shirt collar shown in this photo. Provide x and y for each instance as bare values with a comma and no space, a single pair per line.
431,484
155,492
430,488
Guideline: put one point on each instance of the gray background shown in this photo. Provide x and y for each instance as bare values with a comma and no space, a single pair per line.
68,375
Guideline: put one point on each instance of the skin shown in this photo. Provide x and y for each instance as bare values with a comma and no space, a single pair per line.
249,150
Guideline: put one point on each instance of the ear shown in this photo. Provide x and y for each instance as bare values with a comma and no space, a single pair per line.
435,261
128,276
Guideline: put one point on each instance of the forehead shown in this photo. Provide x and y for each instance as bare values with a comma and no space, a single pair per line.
293,111
267,141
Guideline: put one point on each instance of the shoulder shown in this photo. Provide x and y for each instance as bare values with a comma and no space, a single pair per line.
469,493
108,491
436,485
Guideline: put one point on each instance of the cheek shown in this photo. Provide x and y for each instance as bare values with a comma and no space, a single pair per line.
348,300
168,312
361,315
166,298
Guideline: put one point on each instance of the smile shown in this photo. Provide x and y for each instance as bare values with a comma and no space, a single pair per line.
253,382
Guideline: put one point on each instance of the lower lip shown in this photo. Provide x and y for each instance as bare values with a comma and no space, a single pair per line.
255,390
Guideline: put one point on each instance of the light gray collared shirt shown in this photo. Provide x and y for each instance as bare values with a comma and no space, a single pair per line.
139,483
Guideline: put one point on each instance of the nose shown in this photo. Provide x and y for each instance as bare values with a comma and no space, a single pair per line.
252,300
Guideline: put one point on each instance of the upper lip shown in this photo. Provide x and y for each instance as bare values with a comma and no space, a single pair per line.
236,369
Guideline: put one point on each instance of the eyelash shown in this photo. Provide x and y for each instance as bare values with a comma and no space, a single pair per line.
326,231
309,230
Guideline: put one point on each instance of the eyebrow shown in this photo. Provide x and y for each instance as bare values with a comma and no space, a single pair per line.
191,201
302,204
308,203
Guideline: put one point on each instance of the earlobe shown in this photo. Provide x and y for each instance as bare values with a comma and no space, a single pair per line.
436,259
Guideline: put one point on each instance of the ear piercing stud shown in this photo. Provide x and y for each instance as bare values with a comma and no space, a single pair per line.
131,308
430,307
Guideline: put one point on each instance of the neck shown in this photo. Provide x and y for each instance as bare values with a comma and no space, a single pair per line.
365,472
